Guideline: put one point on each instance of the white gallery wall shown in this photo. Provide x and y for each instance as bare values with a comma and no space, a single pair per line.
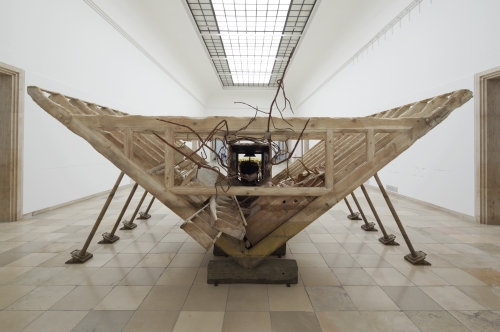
66,46
438,49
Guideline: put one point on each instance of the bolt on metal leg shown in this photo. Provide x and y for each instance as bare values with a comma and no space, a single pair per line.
81,256
415,257
111,237
145,215
387,239
368,226
353,215
130,224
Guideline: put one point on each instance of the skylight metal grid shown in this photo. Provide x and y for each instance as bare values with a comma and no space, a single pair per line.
249,41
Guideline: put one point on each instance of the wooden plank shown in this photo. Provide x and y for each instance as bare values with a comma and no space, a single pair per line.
169,159
329,159
370,145
250,191
128,143
141,123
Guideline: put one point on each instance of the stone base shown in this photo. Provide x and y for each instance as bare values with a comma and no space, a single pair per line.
281,251
269,271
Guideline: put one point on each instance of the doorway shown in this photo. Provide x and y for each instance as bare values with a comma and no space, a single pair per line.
487,146
11,139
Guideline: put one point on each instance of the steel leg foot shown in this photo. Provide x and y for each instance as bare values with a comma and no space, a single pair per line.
418,259
389,240
144,215
109,238
369,227
78,257
354,216
128,225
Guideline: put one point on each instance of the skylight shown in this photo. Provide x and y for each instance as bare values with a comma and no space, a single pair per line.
249,40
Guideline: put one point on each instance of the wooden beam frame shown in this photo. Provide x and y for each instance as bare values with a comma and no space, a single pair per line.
11,142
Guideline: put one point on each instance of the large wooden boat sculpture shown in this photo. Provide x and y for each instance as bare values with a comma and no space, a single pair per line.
248,229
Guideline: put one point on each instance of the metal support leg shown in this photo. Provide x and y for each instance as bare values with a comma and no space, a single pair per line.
368,226
145,215
353,215
81,256
130,224
111,237
415,257
387,239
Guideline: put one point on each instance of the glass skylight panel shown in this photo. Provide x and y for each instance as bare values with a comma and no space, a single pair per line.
249,41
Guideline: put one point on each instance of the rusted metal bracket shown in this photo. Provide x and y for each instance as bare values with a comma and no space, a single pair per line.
368,226
353,215
387,239
414,257
111,237
145,215
81,256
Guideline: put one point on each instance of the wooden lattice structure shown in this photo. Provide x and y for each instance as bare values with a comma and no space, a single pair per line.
350,152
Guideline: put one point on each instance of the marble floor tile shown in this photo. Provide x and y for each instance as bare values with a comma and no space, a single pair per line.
245,321
8,274
422,276
303,248
288,299
125,260
169,298
15,321
353,277
124,298
310,260
338,321
330,298
388,277
330,248
142,276
104,321
72,276
7,258
488,276
190,321
152,321
41,298
450,298
318,277
206,298
181,276
82,298
187,260
106,276
370,298
370,260
247,298
340,260
166,248
10,294
156,260
56,321
382,321
486,296
37,276
478,321
411,299
457,277
431,321
292,321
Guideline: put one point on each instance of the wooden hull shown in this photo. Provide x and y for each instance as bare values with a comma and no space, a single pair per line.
351,151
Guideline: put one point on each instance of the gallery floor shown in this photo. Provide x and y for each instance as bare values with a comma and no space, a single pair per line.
154,277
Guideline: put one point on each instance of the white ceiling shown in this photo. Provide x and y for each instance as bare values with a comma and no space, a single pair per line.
165,30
